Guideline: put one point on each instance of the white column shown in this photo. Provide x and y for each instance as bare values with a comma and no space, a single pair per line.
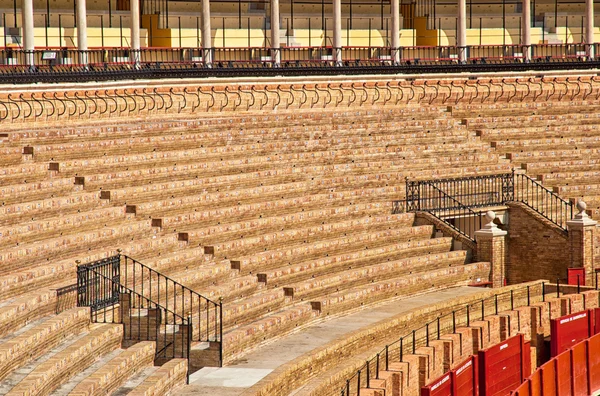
461,34
275,44
135,31
82,32
395,9
589,27
526,31
28,33
206,34
337,32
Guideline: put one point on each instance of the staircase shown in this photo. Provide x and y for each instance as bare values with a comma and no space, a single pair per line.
152,307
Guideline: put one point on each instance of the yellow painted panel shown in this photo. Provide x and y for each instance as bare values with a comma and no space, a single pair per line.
425,37
238,38
308,38
68,37
360,38
407,37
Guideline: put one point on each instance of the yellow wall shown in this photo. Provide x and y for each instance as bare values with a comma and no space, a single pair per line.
67,37
407,38
238,38
301,37
425,37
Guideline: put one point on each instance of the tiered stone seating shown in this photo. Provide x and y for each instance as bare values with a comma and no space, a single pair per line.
285,215
557,142
66,354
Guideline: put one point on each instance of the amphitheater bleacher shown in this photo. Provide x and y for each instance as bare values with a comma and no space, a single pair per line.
558,145
182,196
286,214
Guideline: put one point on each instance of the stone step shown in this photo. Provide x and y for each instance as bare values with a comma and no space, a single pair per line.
61,366
163,381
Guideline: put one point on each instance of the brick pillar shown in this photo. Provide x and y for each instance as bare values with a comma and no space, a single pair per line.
582,233
491,247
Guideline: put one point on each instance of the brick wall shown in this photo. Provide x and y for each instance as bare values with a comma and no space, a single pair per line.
537,249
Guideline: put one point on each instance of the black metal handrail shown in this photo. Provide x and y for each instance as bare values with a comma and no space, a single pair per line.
110,63
415,338
206,315
457,196
469,219
142,318
544,201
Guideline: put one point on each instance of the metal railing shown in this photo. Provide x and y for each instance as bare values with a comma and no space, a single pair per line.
151,290
454,199
544,201
440,325
455,213
206,316
143,319
116,60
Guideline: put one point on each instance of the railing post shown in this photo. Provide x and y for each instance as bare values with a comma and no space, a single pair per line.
468,316
544,291
512,300
387,360
220,331
557,290
528,297
453,321
401,348
482,309
189,346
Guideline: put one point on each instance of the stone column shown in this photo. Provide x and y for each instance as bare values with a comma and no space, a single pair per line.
28,33
135,31
82,32
491,247
206,34
275,44
589,28
395,9
461,34
337,32
582,234
526,31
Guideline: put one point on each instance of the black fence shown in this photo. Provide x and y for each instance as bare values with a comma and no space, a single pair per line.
542,200
151,306
453,200
142,318
93,293
434,329
205,315
70,64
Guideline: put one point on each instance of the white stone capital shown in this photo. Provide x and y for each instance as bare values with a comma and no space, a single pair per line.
581,219
489,229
